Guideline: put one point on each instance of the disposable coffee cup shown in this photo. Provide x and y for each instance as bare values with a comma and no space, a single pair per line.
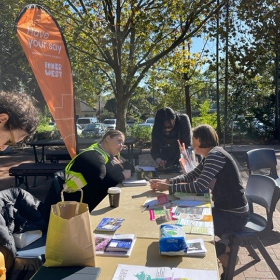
114,196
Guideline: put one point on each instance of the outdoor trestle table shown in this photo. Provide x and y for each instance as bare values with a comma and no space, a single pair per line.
146,252
82,144
136,221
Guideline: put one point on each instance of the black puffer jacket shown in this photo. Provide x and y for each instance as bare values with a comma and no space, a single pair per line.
20,212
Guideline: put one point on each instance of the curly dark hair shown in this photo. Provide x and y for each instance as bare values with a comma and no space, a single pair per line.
21,111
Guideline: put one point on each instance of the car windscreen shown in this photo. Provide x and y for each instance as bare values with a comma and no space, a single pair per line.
109,122
92,126
83,121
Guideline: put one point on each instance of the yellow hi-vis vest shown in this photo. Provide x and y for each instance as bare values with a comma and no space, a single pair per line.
75,180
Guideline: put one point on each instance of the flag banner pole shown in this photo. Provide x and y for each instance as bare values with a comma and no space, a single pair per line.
46,50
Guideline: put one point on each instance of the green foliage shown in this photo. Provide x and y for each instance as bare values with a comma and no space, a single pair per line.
43,127
140,132
106,115
204,116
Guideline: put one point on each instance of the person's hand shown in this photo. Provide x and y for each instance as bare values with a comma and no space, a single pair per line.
159,185
127,174
160,162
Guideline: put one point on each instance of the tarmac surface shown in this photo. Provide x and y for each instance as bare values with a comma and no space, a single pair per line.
246,269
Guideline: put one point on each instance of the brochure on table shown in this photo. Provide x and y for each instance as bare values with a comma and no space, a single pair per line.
109,224
196,248
131,272
112,245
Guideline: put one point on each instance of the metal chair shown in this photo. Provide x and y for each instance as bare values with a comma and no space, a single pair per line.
261,190
265,158
29,259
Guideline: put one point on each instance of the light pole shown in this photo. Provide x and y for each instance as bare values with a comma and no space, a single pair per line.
0,80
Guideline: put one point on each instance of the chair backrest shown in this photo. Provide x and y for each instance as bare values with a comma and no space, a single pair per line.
262,159
264,191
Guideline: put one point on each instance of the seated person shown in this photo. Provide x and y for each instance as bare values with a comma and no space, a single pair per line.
20,212
18,118
101,168
169,127
218,172
19,209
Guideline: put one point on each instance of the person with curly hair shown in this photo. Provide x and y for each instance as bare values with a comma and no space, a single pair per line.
18,118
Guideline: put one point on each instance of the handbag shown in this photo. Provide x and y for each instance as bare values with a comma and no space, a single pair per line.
70,239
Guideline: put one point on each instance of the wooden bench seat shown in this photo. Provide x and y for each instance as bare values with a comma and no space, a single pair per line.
56,155
24,170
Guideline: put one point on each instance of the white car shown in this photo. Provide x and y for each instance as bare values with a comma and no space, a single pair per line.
110,123
148,123
79,129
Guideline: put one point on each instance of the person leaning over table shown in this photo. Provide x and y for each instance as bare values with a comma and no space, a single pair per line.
18,118
101,167
169,127
218,172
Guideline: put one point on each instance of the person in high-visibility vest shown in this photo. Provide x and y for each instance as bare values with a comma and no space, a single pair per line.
95,170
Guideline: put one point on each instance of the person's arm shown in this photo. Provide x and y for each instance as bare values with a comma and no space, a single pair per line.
185,130
156,142
163,185
189,177
92,165
214,163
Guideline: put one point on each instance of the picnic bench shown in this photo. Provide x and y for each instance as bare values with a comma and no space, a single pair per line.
24,170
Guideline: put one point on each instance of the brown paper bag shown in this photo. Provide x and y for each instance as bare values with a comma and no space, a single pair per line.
70,240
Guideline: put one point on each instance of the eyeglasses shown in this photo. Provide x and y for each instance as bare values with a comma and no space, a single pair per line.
12,141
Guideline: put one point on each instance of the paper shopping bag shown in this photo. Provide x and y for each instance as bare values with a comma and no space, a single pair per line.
70,240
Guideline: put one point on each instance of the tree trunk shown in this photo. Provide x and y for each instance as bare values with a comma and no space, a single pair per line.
226,74
277,82
219,130
188,98
121,104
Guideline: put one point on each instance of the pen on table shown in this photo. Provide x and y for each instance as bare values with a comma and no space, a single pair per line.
146,207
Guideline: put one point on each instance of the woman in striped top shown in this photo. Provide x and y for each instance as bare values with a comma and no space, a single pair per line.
218,173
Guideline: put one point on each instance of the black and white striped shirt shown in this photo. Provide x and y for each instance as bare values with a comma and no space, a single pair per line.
218,172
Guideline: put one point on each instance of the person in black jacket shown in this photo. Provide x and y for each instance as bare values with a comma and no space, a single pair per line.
19,212
169,127
99,172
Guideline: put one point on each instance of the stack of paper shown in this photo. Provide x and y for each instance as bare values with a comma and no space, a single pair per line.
196,248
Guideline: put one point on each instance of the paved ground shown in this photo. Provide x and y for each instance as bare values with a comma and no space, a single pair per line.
246,268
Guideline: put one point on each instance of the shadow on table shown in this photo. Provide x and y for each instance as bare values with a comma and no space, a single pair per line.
102,211
152,257
148,193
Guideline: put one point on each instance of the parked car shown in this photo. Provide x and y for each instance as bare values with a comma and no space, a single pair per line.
257,125
148,123
86,120
79,129
110,123
94,130
130,123
150,120
52,124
